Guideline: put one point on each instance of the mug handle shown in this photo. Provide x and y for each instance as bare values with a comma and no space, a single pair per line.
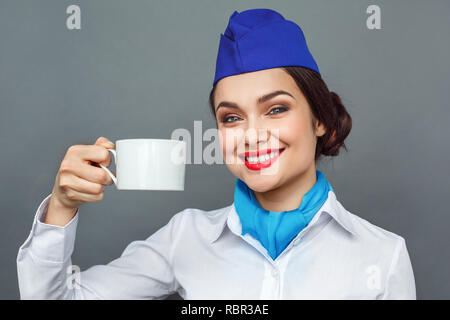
107,170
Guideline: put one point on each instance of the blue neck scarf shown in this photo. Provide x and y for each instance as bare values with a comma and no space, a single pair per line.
275,230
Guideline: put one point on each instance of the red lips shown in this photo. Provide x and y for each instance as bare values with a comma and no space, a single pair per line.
258,153
264,164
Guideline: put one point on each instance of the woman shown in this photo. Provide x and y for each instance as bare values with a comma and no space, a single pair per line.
285,236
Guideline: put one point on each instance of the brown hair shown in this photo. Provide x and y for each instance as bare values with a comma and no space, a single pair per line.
326,107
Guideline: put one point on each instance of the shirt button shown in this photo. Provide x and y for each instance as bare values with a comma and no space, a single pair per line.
274,272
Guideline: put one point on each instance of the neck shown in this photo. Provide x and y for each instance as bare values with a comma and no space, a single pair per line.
289,196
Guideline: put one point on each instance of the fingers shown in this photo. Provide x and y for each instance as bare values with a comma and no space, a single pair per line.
102,141
83,186
106,143
83,161
84,197
87,172
93,153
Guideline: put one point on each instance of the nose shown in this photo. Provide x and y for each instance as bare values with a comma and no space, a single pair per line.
255,136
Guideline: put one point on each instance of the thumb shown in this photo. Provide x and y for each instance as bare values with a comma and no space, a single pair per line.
102,141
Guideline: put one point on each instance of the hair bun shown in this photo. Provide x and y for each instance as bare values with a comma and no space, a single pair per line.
341,130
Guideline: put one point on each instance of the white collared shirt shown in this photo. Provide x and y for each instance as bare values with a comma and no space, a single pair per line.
202,255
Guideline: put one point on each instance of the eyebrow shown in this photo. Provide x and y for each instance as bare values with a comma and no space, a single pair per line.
260,100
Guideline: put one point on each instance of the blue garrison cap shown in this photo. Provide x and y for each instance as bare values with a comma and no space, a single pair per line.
258,39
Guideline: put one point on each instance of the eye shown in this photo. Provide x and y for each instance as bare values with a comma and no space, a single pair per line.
225,119
280,109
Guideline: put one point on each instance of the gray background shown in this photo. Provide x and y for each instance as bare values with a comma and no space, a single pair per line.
140,69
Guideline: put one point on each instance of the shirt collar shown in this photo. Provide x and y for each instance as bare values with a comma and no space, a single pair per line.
331,207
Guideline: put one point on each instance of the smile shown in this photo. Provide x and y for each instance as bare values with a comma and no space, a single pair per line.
257,160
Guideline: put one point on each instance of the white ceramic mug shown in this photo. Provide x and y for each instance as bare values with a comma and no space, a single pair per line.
149,164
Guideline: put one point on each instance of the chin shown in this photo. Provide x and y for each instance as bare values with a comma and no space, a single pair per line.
261,183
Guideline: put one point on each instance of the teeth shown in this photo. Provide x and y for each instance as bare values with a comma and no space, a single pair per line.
262,158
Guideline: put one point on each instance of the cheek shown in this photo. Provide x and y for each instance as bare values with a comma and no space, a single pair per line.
297,132
291,129
229,140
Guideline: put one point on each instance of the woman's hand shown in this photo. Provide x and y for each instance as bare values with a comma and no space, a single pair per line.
79,180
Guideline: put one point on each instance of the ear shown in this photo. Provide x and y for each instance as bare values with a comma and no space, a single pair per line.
320,129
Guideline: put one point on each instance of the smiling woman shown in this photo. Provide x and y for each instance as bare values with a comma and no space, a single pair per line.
326,107
298,120
285,236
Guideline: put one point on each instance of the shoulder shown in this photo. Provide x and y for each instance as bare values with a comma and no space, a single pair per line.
206,217
201,218
365,231
374,238
380,254
387,252
192,224
369,231
196,212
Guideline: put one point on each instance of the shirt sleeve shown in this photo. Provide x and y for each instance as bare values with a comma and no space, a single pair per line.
400,280
143,271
